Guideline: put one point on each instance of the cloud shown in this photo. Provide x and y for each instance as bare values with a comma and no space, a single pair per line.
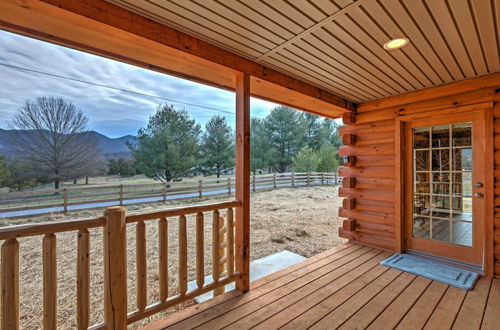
111,112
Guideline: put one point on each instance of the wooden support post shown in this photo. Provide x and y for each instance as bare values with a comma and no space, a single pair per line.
115,268
293,179
229,186
163,258
49,281
65,197
274,181
10,284
121,194
83,280
243,181
253,182
200,188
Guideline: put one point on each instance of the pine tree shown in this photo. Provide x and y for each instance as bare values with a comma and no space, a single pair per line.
218,146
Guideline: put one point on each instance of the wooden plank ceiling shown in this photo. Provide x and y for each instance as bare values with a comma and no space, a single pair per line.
338,44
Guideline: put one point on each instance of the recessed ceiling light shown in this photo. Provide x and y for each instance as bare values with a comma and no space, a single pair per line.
396,43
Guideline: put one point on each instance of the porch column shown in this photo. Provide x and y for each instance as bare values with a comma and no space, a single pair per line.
243,180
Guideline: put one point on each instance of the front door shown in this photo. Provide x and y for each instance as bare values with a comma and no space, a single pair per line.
444,177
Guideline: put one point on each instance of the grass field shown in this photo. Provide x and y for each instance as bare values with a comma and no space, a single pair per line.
302,220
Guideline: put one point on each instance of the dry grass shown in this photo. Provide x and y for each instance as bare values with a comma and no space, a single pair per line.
302,220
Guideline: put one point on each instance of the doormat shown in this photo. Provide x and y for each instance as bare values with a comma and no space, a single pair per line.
450,275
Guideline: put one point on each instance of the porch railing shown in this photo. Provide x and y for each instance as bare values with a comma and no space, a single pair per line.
114,225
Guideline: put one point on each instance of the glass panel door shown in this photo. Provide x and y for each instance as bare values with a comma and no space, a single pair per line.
442,183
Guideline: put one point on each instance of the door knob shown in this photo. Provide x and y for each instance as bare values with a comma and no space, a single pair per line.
478,195
478,184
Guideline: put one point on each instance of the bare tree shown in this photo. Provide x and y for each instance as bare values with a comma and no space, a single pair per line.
49,135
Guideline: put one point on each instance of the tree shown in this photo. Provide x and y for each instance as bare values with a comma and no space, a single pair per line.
4,172
261,152
328,158
306,160
20,174
49,135
285,136
167,148
122,167
312,130
218,146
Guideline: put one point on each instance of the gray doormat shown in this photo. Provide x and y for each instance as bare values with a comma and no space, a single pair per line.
450,275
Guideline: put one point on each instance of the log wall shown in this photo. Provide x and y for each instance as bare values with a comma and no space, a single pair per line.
369,171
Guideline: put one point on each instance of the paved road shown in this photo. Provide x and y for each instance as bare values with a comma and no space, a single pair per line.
133,201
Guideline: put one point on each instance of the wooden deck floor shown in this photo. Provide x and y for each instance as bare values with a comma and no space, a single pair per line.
345,288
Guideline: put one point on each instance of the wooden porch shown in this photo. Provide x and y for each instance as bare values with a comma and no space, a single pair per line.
345,288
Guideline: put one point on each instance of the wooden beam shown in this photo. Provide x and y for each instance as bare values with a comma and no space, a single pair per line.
243,181
102,28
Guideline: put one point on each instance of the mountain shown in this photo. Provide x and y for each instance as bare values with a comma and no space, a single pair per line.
110,147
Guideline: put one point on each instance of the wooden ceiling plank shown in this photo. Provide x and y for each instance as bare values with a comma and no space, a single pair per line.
178,10
335,68
379,37
484,16
417,39
431,33
365,46
463,16
330,45
316,74
218,16
296,72
158,14
289,11
332,58
327,6
448,29
307,9
252,15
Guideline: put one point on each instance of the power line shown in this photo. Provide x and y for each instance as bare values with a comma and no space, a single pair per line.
112,87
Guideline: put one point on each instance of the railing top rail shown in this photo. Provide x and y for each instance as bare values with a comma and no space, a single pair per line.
181,211
35,229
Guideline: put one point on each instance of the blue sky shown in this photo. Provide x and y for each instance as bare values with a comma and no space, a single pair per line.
113,113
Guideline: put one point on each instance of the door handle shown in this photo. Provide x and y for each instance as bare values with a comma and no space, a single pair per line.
478,195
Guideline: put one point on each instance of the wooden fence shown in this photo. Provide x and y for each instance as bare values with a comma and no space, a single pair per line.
62,200
114,227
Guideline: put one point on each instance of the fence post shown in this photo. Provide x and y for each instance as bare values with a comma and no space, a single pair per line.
229,186
164,192
115,268
274,180
322,178
65,196
121,194
200,188
293,179
253,182
308,179
335,183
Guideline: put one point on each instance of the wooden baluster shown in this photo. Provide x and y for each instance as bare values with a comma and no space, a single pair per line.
10,284
141,266
115,268
215,246
200,242
82,282
49,281
163,256
222,251
230,241
182,255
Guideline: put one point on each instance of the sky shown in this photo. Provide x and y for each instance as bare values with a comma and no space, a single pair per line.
111,112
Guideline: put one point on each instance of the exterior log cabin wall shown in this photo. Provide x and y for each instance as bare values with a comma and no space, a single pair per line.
370,182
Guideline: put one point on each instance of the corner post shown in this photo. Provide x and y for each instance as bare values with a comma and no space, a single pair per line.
243,180
115,268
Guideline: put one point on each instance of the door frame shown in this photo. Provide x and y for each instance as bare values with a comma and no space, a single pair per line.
484,109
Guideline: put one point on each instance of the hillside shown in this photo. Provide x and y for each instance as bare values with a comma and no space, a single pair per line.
110,147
